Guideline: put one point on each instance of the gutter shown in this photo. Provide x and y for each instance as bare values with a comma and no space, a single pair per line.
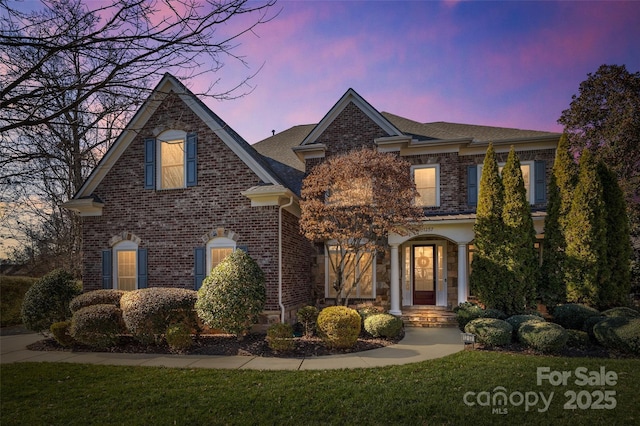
282,309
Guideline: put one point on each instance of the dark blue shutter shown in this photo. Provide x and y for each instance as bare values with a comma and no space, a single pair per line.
243,248
540,182
149,163
107,269
200,270
143,275
192,159
472,185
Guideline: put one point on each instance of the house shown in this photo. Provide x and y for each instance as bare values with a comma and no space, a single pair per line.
180,189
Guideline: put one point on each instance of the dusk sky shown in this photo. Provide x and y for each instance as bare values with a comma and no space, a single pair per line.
511,64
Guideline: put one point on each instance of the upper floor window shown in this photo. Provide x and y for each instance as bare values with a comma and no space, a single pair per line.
427,180
171,160
357,192
533,175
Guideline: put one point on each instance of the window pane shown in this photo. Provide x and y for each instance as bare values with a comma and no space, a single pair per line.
218,255
425,180
126,270
172,169
525,168
357,192
351,270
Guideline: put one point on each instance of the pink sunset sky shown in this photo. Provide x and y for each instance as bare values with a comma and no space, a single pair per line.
511,64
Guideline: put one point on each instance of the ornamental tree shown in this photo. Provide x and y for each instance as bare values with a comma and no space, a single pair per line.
351,203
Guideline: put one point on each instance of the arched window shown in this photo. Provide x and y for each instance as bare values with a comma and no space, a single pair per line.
125,266
217,249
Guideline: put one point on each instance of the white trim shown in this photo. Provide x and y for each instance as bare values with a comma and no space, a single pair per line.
125,245
441,295
437,169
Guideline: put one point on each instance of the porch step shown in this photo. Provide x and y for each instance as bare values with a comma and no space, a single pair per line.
428,316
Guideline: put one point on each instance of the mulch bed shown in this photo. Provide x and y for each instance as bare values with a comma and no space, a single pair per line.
221,344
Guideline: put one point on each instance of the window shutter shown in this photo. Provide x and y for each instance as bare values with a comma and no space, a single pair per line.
107,269
472,185
192,157
143,276
149,163
200,256
540,182
243,248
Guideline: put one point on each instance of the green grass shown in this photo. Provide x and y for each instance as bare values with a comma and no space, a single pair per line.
12,290
429,392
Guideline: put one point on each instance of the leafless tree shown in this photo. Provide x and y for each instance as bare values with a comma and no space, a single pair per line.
73,74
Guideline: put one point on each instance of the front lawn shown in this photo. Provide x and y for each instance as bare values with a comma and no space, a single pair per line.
430,392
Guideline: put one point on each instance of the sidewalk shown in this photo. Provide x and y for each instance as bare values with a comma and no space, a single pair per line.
419,344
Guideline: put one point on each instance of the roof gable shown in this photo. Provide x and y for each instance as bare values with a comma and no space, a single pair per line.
350,96
167,85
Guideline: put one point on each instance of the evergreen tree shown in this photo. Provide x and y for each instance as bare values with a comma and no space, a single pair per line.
585,234
520,257
551,287
615,291
487,272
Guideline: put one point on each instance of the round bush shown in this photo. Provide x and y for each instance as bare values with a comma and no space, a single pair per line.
619,333
97,325
47,300
589,323
466,312
577,339
280,337
233,295
383,325
148,312
490,331
308,317
60,332
573,315
517,320
621,312
339,326
96,297
178,337
543,336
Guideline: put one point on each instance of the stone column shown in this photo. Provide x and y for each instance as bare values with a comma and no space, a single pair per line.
394,283
462,273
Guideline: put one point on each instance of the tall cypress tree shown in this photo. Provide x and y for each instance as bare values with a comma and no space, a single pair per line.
552,287
615,291
585,234
487,272
520,256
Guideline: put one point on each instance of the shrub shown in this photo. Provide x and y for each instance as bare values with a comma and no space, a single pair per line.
577,339
543,336
12,291
339,326
178,337
589,323
573,315
148,312
60,332
308,317
97,325
233,295
96,297
517,320
47,300
280,337
383,325
619,333
621,312
468,311
490,331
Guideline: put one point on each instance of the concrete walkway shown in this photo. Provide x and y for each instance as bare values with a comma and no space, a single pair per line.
419,344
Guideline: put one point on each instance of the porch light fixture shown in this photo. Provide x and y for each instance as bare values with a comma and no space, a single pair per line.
469,339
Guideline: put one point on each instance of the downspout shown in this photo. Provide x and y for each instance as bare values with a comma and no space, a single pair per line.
282,309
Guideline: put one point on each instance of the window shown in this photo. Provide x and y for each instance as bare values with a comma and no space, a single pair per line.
217,250
358,192
527,177
126,268
170,161
356,268
427,180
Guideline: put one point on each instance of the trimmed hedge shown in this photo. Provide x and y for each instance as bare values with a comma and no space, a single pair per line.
621,312
96,297
339,326
517,320
148,312
543,336
280,337
578,339
468,311
47,300
178,337
619,333
97,325
573,315
308,316
490,331
383,325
